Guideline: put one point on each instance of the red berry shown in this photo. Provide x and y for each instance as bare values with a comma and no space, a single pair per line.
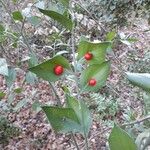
88,56
58,70
92,82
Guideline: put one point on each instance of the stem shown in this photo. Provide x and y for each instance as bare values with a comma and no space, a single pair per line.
75,142
76,80
86,141
57,97
73,50
137,121
75,63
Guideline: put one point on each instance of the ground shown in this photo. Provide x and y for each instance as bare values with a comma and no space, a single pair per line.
36,133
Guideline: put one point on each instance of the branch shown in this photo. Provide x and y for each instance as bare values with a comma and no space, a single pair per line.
136,121
75,142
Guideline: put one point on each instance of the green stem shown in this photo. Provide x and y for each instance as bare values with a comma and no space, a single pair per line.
57,97
59,104
76,80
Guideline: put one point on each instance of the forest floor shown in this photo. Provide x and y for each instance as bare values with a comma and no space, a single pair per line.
36,133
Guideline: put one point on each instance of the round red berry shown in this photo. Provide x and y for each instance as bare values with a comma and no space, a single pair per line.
58,70
92,82
88,56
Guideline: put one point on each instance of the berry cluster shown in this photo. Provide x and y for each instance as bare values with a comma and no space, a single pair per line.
58,69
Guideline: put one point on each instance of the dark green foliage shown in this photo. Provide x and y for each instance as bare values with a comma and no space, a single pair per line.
7,130
63,20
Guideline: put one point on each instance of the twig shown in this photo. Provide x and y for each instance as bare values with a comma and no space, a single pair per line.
86,141
75,142
136,121
57,97
22,27
75,72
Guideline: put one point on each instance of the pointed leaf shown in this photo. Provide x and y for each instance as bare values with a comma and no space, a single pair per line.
11,77
141,80
3,67
45,70
36,106
65,2
34,20
33,61
97,49
31,78
99,72
82,112
2,29
66,22
62,119
2,95
18,90
120,140
20,104
17,15
110,36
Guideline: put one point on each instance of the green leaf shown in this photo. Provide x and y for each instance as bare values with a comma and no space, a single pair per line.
3,67
141,80
110,36
45,69
36,106
99,72
31,78
97,49
126,42
62,119
64,21
82,112
11,98
132,40
20,104
33,61
11,77
34,20
17,15
120,140
15,44
2,95
15,1
65,2
2,29
2,33
18,90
